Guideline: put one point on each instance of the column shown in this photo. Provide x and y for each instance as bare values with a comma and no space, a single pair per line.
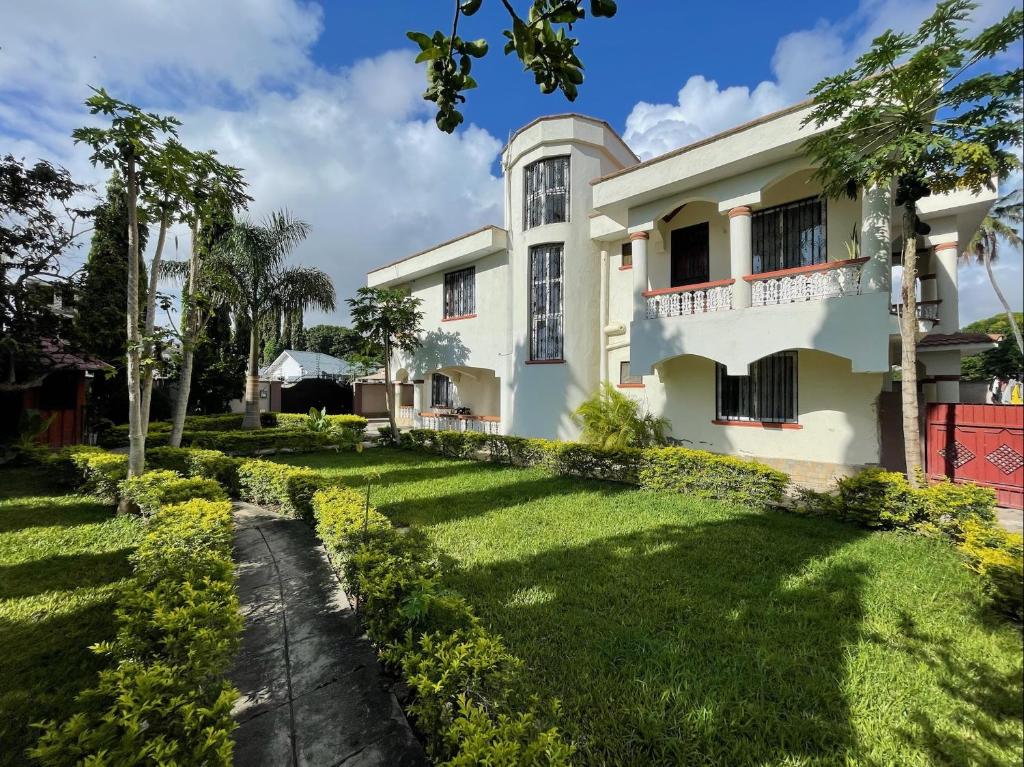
603,319
740,255
417,398
876,240
639,240
945,259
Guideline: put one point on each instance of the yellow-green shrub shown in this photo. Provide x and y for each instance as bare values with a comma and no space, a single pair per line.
197,462
102,472
289,489
697,472
153,489
998,557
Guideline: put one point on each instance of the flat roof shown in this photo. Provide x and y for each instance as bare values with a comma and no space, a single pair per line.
438,245
564,115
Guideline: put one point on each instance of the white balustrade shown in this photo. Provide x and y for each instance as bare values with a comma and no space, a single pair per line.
442,422
691,299
406,415
790,286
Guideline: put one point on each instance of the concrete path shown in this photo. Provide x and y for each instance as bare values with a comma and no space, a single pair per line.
1011,519
312,690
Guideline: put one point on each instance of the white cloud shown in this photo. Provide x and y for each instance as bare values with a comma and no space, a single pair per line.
353,152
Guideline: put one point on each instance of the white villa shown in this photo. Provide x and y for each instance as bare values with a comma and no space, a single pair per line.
713,283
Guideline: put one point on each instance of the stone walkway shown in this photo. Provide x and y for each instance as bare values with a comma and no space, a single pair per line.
312,692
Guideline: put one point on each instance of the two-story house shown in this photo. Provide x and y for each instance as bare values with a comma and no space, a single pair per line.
714,283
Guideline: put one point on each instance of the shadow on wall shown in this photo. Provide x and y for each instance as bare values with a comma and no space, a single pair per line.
544,396
439,349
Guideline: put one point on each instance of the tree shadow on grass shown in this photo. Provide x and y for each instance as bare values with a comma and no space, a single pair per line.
35,512
705,643
64,572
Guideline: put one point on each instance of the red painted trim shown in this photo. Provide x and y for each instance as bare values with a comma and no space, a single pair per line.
625,268
640,236
742,210
827,266
630,386
761,424
431,414
946,246
545,362
460,317
688,288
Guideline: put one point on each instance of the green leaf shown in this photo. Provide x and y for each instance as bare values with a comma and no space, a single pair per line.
422,40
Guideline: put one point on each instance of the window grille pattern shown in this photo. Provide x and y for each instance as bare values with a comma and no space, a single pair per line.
768,394
789,236
547,192
460,293
546,302
442,391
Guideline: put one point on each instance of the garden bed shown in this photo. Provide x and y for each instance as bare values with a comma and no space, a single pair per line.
677,630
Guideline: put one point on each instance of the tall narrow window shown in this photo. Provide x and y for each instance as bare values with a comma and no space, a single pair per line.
627,255
626,378
442,391
789,236
767,394
546,192
460,293
546,302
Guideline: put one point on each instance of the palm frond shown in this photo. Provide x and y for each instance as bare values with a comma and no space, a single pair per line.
305,287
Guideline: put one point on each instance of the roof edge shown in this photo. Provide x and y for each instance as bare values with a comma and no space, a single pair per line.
484,228
564,115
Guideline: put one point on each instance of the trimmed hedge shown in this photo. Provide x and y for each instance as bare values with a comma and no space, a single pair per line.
260,440
694,472
153,489
164,698
197,462
287,488
467,697
998,557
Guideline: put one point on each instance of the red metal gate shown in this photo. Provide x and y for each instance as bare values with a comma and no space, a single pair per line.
978,443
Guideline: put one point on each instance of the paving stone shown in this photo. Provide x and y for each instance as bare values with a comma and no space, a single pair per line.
312,690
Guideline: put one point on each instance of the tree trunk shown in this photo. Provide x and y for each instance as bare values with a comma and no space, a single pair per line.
389,393
154,279
251,420
987,258
908,343
189,336
136,435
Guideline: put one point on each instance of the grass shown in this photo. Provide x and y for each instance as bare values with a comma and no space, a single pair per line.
676,631
62,559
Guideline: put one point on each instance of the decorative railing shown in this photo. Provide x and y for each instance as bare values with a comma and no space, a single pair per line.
806,283
927,310
689,299
483,424
406,415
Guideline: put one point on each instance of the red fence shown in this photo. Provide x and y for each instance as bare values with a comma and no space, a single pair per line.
978,443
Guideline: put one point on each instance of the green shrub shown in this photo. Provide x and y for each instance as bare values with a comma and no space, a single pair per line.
948,506
164,699
612,421
260,440
102,472
710,475
287,488
197,462
463,679
153,489
579,460
998,557
300,420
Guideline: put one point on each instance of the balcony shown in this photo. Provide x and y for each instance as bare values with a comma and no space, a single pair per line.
833,279
690,299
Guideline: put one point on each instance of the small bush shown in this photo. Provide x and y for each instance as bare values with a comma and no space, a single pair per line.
153,489
998,557
710,475
164,699
197,462
475,738
613,421
287,488
948,506
579,460
102,472
271,440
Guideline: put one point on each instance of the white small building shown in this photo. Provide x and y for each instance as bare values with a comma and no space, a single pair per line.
292,366
715,284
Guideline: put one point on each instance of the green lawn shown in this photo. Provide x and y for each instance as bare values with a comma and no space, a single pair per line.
677,631
62,558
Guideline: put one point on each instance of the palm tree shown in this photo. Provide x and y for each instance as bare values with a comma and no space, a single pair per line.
254,282
612,421
1003,221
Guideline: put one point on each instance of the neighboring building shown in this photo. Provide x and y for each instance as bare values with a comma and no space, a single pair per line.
292,365
712,283
296,381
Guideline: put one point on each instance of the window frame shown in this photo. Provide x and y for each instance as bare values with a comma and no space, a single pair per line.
447,385
629,380
626,255
754,394
541,196
783,240
448,311
534,320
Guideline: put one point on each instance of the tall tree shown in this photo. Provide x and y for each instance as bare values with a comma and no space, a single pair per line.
537,37
388,320
923,111
1003,222
132,144
252,275
219,368
100,324
39,223
1005,361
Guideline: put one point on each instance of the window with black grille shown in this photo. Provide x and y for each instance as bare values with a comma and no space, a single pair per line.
767,394
442,391
788,236
546,192
460,293
546,302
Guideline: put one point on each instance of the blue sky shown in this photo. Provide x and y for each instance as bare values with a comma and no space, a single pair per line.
320,103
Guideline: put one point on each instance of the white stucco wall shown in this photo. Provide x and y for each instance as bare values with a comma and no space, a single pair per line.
836,412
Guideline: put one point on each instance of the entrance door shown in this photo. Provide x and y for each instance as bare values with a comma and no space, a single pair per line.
690,255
